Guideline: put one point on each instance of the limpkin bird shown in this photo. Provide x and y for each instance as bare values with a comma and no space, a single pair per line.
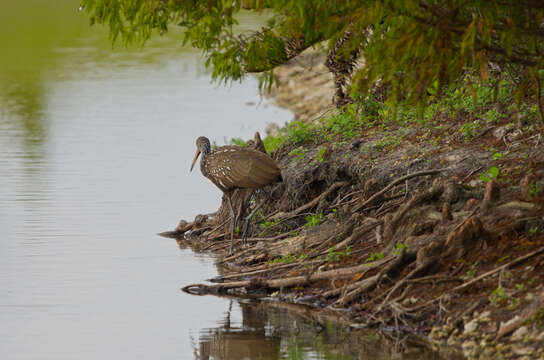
234,167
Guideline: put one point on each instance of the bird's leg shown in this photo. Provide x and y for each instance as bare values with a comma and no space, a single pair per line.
232,224
250,216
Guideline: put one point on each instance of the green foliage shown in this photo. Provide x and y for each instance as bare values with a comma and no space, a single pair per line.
413,49
238,141
345,124
297,153
498,296
375,256
493,116
268,224
336,256
472,271
271,143
321,154
314,220
286,259
492,173
299,132
399,247
469,129
534,189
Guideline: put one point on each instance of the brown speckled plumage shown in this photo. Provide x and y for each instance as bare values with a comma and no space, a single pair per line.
231,167
234,167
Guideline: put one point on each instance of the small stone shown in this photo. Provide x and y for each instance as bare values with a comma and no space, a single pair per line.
471,203
526,350
514,135
409,301
485,316
471,326
488,351
499,132
520,333
530,297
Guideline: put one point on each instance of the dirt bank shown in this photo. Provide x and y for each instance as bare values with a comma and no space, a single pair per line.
412,227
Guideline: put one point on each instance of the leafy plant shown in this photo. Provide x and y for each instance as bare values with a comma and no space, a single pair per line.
498,295
314,220
492,173
472,271
271,143
336,256
399,247
238,141
497,156
268,224
375,256
285,259
321,154
297,153
300,132
534,189
468,129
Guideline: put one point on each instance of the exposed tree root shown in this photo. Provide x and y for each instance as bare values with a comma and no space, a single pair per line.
312,203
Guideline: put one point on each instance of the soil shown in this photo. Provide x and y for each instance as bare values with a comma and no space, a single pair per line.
396,227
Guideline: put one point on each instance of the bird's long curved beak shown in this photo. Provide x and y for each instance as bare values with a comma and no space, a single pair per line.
194,160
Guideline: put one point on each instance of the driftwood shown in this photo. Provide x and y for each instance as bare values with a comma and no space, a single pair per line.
374,280
279,283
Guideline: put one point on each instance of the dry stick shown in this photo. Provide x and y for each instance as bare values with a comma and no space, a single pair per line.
274,238
404,280
217,227
491,272
433,278
361,230
373,280
471,173
539,96
399,180
219,279
314,202
281,283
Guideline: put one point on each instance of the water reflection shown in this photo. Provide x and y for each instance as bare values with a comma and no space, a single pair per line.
271,330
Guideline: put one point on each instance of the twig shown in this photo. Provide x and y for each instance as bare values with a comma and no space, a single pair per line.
471,173
341,273
314,202
395,182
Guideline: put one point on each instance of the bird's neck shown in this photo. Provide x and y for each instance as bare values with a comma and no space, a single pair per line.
205,150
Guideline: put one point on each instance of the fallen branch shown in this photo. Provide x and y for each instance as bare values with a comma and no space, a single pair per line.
279,283
372,281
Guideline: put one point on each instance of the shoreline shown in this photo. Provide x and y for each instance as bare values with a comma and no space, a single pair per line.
467,272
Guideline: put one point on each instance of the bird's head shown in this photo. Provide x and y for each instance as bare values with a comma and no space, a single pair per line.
202,146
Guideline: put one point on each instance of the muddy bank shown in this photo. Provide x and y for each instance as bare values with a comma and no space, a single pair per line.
409,228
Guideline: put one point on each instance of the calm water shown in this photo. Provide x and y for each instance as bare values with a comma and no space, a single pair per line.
95,148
